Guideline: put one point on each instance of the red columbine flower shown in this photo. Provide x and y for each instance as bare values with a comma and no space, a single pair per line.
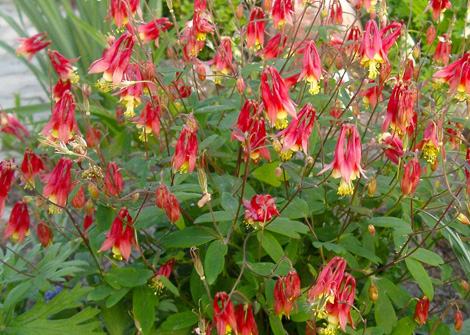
18,225
62,125
44,234
60,88
339,311
282,11
113,180
347,160
184,158
394,146
410,179
114,62
192,46
458,320
161,196
455,134
255,29
401,116
246,324
421,311
31,166
63,66
201,26
121,10
296,136
130,94
276,98
118,239
286,292
167,201
78,201
29,46
151,30
200,5
274,47
311,68
260,208
371,94
430,144
441,55
58,185
457,75
336,12
155,283
9,124
7,173
87,222
438,7
371,52
222,62
149,121
224,314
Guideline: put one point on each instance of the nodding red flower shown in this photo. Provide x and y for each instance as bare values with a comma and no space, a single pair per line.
347,160
430,34
224,314
245,120
438,7
60,88
372,53
274,47
149,121
457,75
458,320
87,222
118,239
165,271
353,39
9,124
276,98
200,5
336,12
430,144
221,64
92,137
311,68
63,66
130,94
246,324
184,158
31,166
62,125
441,55
335,112
151,30
411,175
394,146
58,185
339,311
328,284
455,134
201,26
421,311
371,94
29,46
7,173
44,234
286,292
121,10
18,225
114,62
192,46
297,135
161,196
260,208
401,116
255,29
78,201
172,209
113,180
282,11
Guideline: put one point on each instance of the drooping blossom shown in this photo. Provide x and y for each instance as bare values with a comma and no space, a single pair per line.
438,7
166,200
221,64
457,75
421,311
44,234
442,53
130,94
371,93
201,26
121,10
255,29
430,144
276,98
327,285
192,46
260,209
184,158
401,116
455,134
200,5
9,124
165,271
115,61
113,181
78,201
297,135
149,121
18,225
311,68
7,173
458,320
371,53
151,30
31,166
63,66
339,311
62,125
246,324
286,292
411,175
224,314
281,13
354,42
120,238
31,45
347,159
58,185
393,146
274,47
336,12
60,88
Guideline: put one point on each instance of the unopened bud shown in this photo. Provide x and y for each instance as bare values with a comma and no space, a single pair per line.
373,293
278,172
310,160
371,229
239,11
93,191
371,187
277,146
249,91
267,5
135,197
464,284
416,52
458,320
324,13
430,34
197,262
89,208
462,218
161,197
201,71
355,110
240,85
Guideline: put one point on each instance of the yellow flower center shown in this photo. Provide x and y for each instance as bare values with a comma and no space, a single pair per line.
313,83
184,168
345,188
430,152
281,121
117,253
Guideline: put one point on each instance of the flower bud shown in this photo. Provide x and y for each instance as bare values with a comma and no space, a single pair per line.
355,109
239,11
267,5
197,262
416,51
277,146
240,85
135,197
93,191
89,208
430,34
161,196
44,234
324,13
373,293
172,208
421,311
371,187
371,229
458,320
278,172
78,200
204,200
462,218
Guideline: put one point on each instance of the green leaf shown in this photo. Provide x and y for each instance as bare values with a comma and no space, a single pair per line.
391,222
330,246
405,326
214,260
116,319
229,203
427,256
270,245
180,223
169,285
191,236
276,325
219,216
421,276
127,277
287,227
298,208
17,294
104,217
143,306
116,296
267,174
385,313
179,321
100,292
353,245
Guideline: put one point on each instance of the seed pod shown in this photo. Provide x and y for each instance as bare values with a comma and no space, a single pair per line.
464,284
371,229
373,293
371,187
93,191
463,219
239,11
240,85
